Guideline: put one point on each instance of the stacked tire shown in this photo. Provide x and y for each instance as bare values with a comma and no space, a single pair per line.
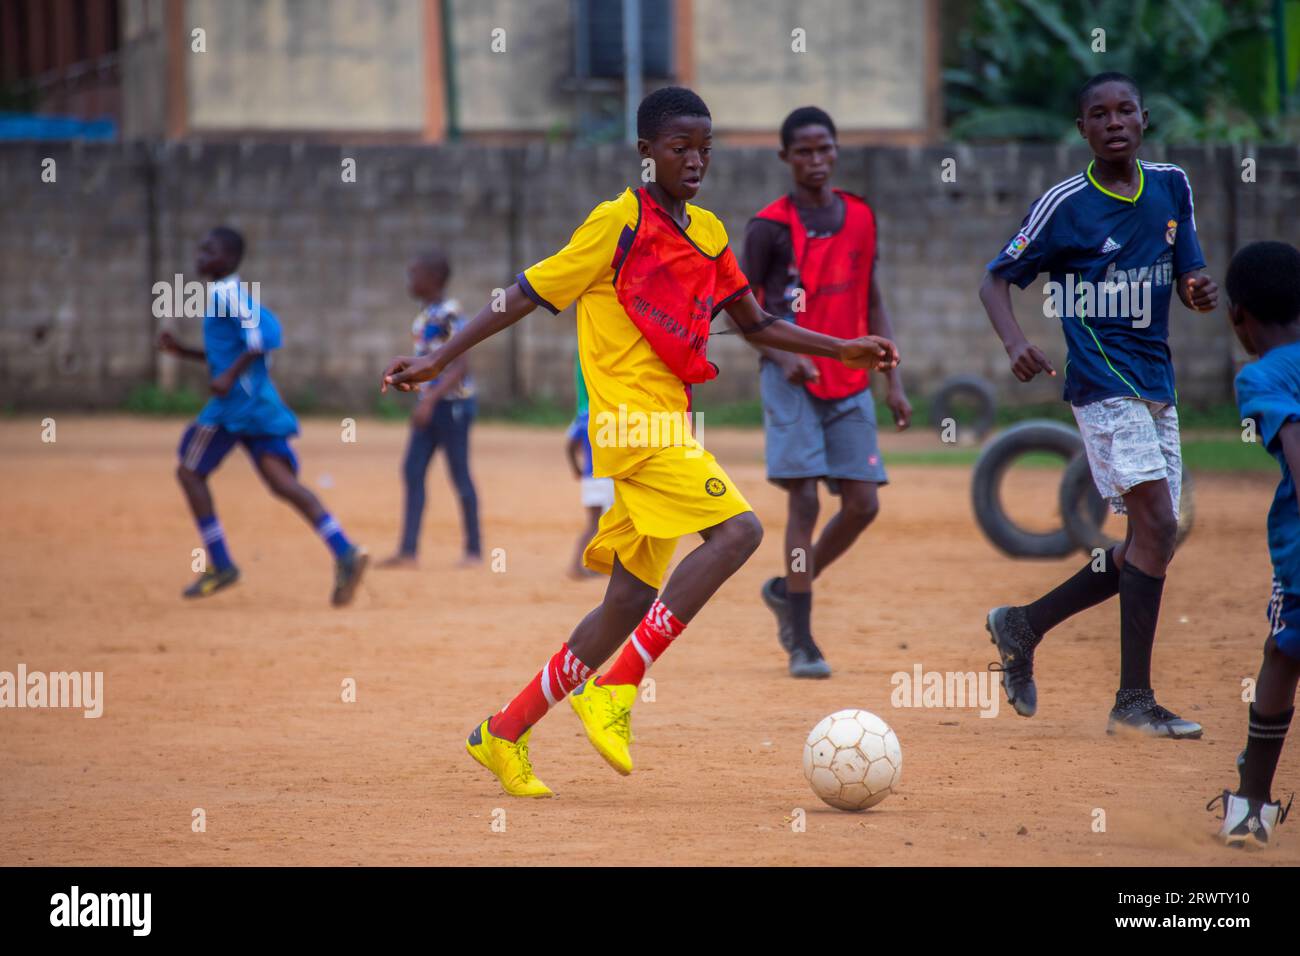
1081,507
1079,499
964,390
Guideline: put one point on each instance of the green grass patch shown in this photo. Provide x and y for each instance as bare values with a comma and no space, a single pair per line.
152,400
951,457
305,401
744,414
1227,454
544,413
966,456
393,406
1209,454
749,414
1199,454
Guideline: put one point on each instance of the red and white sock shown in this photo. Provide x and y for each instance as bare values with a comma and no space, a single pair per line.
651,638
562,673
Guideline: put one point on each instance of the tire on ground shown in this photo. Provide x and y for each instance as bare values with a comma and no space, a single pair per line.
1037,435
1084,510
965,386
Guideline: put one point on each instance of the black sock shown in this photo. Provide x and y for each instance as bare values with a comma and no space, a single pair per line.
1263,748
1085,589
801,614
1139,609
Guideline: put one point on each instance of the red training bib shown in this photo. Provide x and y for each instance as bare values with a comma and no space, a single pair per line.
834,273
667,286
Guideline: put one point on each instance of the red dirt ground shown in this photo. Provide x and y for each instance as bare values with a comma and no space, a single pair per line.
233,704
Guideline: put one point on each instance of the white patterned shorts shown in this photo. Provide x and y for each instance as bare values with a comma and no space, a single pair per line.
597,493
1130,441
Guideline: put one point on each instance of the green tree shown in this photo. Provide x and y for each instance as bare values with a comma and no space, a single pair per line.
1205,66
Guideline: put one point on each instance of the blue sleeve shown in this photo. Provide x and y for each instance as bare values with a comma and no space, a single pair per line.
1025,257
261,330
1187,245
257,323
1268,403
578,427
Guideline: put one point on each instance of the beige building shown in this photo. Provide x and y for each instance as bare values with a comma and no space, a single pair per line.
520,70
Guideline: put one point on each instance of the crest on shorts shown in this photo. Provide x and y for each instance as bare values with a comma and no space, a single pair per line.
1171,229
1017,245
715,487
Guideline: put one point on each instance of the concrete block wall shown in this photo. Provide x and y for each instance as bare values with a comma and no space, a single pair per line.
79,256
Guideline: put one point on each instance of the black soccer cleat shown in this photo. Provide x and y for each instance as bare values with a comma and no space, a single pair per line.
211,581
347,575
1010,631
780,607
1144,716
1248,822
806,660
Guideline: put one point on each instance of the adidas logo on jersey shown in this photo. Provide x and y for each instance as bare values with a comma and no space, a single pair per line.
1110,245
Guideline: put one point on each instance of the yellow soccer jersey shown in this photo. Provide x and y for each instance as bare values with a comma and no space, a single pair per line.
623,374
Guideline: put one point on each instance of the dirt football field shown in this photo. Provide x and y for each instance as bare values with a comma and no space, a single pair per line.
232,707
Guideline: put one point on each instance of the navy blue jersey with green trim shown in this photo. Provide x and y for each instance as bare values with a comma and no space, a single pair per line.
1114,261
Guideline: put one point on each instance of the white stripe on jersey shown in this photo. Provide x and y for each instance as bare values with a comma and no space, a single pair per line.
1191,203
1045,200
1047,207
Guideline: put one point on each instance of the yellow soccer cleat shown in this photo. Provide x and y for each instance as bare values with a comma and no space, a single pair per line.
606,715
509,761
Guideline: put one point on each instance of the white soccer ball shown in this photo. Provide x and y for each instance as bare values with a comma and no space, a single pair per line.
852,760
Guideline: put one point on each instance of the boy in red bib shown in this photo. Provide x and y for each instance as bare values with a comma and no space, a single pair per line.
810,257
648,271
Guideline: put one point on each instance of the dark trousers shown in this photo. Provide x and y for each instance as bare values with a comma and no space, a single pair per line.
449,430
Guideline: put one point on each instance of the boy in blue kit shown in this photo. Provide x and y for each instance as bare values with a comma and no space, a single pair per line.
442,416
1263,284
1116,240
246,409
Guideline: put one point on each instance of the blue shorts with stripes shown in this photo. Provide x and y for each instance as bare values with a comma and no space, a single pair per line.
203,447
1284,621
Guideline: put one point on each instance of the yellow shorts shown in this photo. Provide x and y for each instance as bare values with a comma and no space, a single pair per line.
677,491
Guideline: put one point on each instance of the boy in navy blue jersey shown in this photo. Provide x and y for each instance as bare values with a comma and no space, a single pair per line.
1264,305
1117,240
245,409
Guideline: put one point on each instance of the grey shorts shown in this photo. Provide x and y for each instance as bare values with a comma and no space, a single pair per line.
810,437
1129,442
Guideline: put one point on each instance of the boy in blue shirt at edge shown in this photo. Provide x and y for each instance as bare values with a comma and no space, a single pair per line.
246,409
1263,285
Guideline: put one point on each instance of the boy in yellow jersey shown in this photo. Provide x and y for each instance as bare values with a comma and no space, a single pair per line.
648,272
